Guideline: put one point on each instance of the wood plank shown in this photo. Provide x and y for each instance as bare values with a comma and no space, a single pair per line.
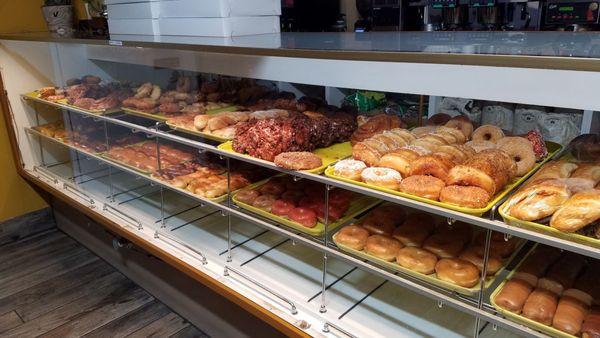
164,327
30,242
9,320
27,260
46,296
132,321
79,258
190,332
17,228
109,309
113,285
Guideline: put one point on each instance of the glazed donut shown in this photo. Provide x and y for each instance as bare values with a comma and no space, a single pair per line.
461,123
444,245
368,155
438,119
449,138
468,176
457,271
272,187
403,133
460,230
383,247
349,169
498,246
392,142
432,166
452,153
352,236
399,161
396,138
422,131
488,132
264,202
458,135
417,259
481,145
475,254
425,143
378,145
298,160
465,196
382,177
411,235
389,211
521,151
435,139
466,149
423,186
247,196
377,226
421,151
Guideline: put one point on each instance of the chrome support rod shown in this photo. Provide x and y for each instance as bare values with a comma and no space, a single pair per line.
116,212
323,307
79,193
203,259
293,308
486,257
45,174
328,325
229,259
110,179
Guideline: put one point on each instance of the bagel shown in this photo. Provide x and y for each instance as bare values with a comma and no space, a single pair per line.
488,132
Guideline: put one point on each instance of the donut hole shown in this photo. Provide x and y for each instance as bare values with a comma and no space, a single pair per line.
487,137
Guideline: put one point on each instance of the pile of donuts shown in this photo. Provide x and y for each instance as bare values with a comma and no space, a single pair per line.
144,155
556,289
416,242
441,164
300,202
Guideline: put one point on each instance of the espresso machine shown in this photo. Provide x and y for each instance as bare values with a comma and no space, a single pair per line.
479,15
571,15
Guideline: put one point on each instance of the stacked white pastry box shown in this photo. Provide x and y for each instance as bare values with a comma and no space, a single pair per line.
212,18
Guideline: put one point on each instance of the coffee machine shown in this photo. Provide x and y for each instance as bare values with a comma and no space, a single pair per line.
571,15
479,15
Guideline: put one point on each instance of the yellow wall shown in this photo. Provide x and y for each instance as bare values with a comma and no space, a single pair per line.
16,196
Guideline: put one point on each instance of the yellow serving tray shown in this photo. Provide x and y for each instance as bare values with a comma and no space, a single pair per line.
432,279
156,117
552,149
66,105
546,229
358,205
520,319
328,155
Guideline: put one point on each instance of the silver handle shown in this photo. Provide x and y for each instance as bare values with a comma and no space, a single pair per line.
328,325
122,216
269,290
78,192
162,234
44,173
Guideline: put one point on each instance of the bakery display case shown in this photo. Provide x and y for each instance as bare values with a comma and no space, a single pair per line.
318,220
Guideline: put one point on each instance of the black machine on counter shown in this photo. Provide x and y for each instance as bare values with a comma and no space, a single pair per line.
477,15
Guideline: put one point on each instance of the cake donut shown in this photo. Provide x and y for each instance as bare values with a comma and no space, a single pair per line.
422,131
423,186
488,132
475,254
457,271
479,146
521,151
458,135
417,259
461,123
383,247
382,177
350,169
247,196
353,236
399,160
465,196
432,166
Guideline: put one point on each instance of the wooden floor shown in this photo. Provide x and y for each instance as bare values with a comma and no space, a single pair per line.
52,286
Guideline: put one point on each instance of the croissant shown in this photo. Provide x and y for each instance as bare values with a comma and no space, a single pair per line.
581,209
538,201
